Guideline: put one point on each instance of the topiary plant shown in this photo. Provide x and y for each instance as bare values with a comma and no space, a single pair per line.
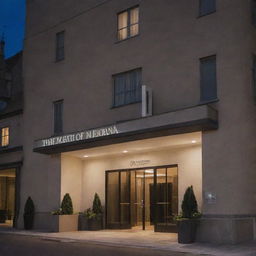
66,205
97,207
29,213
189,204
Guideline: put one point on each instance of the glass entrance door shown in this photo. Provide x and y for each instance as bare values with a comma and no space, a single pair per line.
142,204
142,199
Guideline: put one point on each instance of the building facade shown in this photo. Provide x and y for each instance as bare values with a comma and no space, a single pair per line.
136,100
11,156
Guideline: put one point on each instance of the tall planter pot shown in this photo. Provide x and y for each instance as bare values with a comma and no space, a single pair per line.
82,222
187,231
95,224
65,223
28,221
3,214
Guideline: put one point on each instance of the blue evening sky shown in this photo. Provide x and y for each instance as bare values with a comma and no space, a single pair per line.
12,21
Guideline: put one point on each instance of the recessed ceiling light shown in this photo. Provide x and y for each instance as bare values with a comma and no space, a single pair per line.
125,151
193,141
86,156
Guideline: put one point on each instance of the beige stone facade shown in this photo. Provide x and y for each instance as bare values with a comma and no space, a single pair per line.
171,41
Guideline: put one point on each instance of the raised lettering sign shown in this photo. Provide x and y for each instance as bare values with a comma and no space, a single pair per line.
80,136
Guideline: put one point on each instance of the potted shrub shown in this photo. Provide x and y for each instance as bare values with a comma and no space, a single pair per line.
64,218
93,218
187,221
29,214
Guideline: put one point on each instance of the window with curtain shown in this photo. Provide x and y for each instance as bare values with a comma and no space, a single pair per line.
58,116
128,23
208,79
60,51
5,139
127,87
206,7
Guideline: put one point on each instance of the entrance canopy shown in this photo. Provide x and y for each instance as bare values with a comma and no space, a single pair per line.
193,119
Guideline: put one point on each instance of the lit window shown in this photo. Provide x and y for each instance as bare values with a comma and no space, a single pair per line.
5,137
128,23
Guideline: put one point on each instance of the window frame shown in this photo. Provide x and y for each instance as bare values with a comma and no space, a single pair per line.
57,59
2,137
113,89
254,78
208,13
128,10
54,127
203,101
253,16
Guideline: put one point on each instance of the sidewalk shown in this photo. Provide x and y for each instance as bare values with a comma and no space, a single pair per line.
140,239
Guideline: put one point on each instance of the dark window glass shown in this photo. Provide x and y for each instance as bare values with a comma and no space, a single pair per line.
208,78
127,88
60,54
253,9
254,78
128,23
58,116
207,7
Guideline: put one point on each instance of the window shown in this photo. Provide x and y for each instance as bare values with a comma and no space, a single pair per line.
253,9
207,7
128,23
58,116
208,79
60,46
5,137
254,78
127,88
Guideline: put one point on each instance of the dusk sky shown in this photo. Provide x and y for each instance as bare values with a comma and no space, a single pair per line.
12,20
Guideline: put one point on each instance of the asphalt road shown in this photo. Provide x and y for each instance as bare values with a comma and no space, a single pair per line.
16,245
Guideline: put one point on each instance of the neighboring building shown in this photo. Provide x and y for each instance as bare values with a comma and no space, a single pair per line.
137,100
11,156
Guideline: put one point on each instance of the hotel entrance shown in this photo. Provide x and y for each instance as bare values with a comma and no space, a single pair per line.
142,198
7,196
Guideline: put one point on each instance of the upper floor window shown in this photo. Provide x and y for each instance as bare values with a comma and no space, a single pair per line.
60,51
127,88
128,23
206,7
253,9
208,80
5,137
254,78
58,116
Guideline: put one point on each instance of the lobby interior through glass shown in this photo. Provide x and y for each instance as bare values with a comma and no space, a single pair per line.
7,196
142,198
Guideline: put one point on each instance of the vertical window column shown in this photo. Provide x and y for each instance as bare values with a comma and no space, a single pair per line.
5,139
58,116
253,12
254,78
60,50
208,79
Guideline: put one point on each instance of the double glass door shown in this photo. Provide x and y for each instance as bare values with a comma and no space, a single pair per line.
142,198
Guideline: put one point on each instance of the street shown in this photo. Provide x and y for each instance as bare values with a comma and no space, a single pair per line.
16,245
